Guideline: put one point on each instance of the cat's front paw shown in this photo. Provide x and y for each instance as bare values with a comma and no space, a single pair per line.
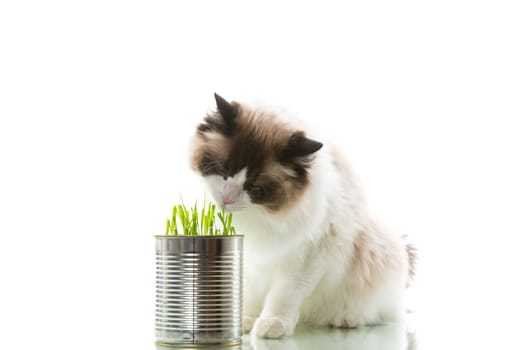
247,323
273,327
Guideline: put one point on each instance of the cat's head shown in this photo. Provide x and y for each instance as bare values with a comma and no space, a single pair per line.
250,157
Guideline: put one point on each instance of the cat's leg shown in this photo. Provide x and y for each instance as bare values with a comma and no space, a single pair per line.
371,313
378,303
252,306
247,322
283,301
253,299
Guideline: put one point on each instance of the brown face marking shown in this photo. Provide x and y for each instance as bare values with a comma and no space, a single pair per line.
277,157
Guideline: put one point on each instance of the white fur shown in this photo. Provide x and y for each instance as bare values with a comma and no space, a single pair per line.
295,270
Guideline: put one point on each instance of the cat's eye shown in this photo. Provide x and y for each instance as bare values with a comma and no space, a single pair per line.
213,168
219,170
252,188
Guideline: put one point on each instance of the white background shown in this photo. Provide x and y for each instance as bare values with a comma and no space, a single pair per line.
98,100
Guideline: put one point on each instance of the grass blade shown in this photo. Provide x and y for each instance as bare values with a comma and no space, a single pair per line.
196,221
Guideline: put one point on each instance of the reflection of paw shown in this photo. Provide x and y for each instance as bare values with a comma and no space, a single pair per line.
273,327
344,323
273,344
247,323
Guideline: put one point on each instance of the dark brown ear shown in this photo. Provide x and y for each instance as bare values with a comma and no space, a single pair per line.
228,113
299,146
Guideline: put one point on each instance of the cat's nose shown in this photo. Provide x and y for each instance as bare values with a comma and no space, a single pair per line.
230,193
227,200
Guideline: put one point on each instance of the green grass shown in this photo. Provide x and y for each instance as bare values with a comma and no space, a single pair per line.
201,221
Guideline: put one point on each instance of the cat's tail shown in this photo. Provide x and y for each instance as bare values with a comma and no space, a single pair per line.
412,259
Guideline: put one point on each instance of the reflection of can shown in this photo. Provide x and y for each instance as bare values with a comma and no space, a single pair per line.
199,290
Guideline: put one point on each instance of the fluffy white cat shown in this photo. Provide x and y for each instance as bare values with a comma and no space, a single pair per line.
313,252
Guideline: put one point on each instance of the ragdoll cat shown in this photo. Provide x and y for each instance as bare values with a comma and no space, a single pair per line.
313,253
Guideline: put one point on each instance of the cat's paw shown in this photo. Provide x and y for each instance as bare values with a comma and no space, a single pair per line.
273,327
247,323
345,322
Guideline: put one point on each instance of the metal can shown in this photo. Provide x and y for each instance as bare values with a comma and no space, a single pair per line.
198,290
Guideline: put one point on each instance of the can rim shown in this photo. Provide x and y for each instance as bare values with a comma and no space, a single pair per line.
198,237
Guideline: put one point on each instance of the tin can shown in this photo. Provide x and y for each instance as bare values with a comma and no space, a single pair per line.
198,291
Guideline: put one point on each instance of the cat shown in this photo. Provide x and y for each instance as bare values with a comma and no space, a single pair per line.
313,253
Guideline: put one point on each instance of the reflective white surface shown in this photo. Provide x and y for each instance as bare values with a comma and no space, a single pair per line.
417,333
393,337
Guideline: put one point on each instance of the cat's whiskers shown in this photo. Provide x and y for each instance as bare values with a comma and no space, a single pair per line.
239,206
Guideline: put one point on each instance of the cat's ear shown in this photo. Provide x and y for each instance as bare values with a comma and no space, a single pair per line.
299,146
228,113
